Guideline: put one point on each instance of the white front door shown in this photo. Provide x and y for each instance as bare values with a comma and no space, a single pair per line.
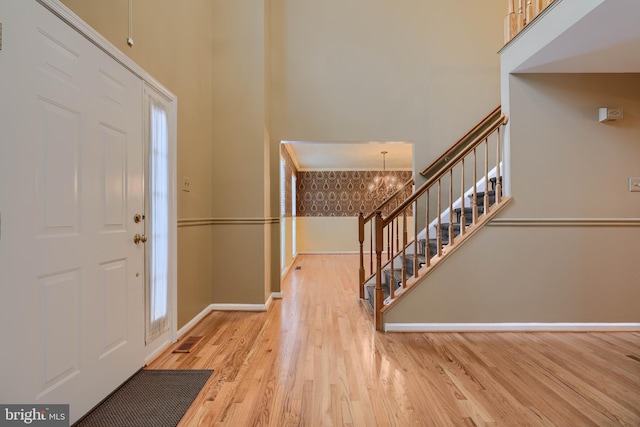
71,165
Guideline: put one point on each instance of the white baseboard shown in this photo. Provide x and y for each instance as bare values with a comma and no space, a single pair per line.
284,272
287,269
511,327
227,307
239,307
194,321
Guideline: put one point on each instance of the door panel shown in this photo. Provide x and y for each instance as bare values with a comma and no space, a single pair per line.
71,299
60,349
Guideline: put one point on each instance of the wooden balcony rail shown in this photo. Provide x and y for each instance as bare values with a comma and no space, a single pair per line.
433,206
520,13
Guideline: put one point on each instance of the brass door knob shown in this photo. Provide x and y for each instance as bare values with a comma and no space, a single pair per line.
137,238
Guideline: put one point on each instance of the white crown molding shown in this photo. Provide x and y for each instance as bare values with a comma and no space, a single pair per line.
292,155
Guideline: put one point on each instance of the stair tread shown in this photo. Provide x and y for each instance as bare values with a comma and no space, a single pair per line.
371,289
468,210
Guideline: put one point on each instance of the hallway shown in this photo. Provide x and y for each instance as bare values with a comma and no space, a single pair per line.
315,359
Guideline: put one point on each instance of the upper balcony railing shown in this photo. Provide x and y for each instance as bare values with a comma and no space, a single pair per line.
520,14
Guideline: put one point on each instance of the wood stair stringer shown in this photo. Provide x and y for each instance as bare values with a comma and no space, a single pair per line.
447,251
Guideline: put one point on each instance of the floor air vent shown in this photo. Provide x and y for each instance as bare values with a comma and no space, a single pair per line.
187,345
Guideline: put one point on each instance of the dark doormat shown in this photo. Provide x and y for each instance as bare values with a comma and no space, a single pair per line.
151,398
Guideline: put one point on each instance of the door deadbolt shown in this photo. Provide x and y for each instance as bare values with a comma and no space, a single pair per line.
138,218
137,238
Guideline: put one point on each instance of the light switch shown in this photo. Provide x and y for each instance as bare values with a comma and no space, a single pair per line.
186,184
634,184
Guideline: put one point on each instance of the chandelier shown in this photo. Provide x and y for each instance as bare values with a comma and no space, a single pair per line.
384,185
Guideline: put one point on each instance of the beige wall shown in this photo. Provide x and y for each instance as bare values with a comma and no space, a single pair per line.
336,234
417,71
565,164
531,274
327,234
249,74
411,70
242,169
554,128
194,271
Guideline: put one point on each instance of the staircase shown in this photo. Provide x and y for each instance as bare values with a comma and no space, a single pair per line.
403,240
395,275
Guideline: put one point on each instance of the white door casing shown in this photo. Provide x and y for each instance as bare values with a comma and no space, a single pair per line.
71,164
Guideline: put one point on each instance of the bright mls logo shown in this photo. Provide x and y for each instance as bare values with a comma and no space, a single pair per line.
34,415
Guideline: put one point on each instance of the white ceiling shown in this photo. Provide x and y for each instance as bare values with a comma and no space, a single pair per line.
604,40
350,155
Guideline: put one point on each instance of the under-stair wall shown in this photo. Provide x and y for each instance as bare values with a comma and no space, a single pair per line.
564,254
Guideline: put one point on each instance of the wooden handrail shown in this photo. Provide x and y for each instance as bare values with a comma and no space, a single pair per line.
490,118
443,169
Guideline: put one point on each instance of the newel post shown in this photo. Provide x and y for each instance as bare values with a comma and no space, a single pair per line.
379,295
361,240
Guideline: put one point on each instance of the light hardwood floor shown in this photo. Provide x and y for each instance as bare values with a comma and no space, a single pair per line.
314,359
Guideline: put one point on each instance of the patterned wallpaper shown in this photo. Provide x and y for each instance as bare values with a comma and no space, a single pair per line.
339,193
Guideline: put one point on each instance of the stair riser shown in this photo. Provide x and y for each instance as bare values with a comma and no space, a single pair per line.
370,295
492,200
444,232
433,248
480,198
468,215
445,236
409,264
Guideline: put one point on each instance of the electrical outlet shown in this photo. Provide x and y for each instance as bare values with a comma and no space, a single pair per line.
634,184
186,184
